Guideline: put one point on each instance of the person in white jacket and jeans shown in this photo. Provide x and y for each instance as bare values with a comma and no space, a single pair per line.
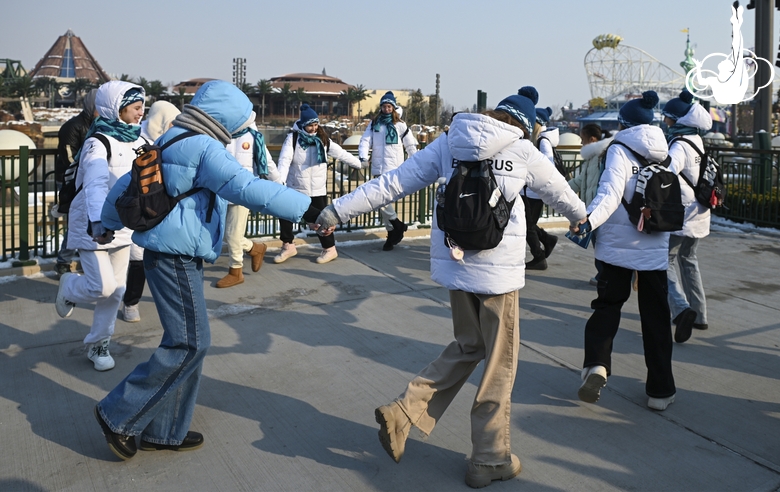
687,301
484,285
303,166
386,138
158,120
120,107
623,249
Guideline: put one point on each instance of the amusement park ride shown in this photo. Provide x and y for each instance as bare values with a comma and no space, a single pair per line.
618,72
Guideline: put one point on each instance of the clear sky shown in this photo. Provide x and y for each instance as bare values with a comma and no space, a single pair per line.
495,46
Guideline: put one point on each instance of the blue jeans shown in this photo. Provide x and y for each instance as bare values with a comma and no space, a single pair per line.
687,290
157,399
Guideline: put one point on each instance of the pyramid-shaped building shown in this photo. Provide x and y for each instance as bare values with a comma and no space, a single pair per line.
68,59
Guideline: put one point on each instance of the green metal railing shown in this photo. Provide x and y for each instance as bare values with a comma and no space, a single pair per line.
27,191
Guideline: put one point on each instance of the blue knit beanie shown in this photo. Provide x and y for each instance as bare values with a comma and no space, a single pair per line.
679,106
543,115
131,96
389,98
308,116
521,106
638,111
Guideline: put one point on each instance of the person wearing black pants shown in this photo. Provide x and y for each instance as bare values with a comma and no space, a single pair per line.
536,237
286,227
614,289
623,249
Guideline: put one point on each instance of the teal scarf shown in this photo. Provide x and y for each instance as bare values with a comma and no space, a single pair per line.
678,130
306,140
258,154
116,129
386,119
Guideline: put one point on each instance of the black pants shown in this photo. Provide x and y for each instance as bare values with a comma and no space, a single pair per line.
614,290
534,235
286,227
136,278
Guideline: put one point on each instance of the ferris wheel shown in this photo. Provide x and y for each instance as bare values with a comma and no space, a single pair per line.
617,72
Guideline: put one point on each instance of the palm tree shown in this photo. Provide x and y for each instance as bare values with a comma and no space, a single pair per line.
246,88
263,87
285,92
22,86
299,95
80,86
182,95
354,95
49,86
156,89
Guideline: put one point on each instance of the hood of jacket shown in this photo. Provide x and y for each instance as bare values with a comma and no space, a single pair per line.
109,97
596,148
697,117
551,134
160,117
475,137
225,103
646,140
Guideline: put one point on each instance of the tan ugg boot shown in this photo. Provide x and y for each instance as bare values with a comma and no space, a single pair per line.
234,277
257,253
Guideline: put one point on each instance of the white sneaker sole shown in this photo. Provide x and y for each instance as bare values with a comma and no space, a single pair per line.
590,391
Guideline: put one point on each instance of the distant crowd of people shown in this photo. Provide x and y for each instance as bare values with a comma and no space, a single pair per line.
215,148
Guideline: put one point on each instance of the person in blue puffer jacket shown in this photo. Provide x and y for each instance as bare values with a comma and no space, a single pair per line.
157,399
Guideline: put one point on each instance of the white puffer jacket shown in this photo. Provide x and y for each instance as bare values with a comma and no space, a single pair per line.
242,148
618,242
548,140
386,157
300,169
97,175
516,162
687,161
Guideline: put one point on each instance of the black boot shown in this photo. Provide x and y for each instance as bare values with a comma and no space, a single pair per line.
397,234
549,243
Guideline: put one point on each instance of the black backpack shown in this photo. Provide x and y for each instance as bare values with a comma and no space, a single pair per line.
69,191
145,203
474,212
709,189
557,158
657,202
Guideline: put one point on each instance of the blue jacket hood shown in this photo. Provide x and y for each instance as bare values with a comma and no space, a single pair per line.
225,103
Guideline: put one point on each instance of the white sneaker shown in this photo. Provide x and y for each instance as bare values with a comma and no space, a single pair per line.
98,354
660,404
64,307
593,379
131,314
288,251
327,255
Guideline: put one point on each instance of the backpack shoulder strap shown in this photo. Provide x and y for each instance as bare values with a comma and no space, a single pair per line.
701,154
295,140
644,162
105,143
178,137
401,140
693,145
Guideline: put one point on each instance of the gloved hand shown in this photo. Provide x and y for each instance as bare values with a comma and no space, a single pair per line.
363,162
327,221
100,234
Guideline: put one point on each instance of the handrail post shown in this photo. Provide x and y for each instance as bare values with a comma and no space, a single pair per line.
24,206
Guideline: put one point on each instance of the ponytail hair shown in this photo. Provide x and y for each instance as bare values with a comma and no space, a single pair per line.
592,130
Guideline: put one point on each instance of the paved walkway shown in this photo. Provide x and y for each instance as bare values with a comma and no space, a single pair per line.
303,353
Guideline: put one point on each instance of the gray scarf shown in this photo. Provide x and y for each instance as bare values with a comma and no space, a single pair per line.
195,119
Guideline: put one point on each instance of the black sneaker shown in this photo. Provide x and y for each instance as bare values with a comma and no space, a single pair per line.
397,234
388,246
536,264
122,446
549,244
684,325
193,441
60,269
